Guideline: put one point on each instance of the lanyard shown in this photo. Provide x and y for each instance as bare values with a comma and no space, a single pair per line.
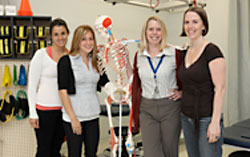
157,67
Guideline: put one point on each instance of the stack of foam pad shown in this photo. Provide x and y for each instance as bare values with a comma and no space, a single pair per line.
238,135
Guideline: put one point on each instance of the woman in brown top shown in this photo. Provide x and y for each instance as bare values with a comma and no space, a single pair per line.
202,74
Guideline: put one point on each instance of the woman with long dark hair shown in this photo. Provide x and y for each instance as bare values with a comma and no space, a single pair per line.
202,74
44,101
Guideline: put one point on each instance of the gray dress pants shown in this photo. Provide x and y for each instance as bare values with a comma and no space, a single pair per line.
160,127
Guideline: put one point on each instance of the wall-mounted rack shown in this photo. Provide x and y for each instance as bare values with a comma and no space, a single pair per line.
17,46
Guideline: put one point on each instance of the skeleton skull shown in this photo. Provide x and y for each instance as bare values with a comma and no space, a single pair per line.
102,24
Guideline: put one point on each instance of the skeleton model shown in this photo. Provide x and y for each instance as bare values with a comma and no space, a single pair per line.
112,58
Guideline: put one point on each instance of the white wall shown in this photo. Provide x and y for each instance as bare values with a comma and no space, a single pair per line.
128,20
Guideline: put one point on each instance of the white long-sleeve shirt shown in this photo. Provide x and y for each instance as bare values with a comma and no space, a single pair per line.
42,85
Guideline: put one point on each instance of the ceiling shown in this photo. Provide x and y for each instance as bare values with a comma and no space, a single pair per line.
167,5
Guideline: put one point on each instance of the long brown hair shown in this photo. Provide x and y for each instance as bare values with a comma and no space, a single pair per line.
58,22
79,33
202,13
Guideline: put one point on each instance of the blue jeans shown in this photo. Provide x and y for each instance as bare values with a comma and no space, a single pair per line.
198,146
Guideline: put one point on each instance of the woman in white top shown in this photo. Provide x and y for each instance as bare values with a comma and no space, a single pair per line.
79,80
44,101
155,92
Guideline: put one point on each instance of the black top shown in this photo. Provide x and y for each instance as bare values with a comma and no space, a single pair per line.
65,76
198,88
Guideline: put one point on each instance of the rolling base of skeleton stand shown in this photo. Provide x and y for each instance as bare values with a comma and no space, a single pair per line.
139,150
115,113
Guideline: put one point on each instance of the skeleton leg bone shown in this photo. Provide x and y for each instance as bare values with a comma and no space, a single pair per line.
113,138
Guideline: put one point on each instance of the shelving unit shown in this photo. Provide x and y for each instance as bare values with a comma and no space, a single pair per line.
18,134
32,23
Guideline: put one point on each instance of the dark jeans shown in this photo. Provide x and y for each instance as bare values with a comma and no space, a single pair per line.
50,135
90,137
199,146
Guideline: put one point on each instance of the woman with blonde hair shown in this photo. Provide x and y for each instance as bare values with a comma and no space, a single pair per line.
78,81
155,91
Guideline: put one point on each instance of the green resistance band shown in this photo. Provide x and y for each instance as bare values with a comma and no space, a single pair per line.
23,103
14,75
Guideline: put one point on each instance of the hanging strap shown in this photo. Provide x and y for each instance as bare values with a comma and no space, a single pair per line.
5,47
41,32
157,67
4,31
41,44
1,47
6,80
23,104
4,97
6,43
23,47
22,92
14,75
22,32
22,81
8,117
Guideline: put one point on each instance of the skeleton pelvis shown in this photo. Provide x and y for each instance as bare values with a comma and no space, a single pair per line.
117,93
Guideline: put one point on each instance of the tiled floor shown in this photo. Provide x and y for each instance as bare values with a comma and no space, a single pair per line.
226,150
104,141
182,149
